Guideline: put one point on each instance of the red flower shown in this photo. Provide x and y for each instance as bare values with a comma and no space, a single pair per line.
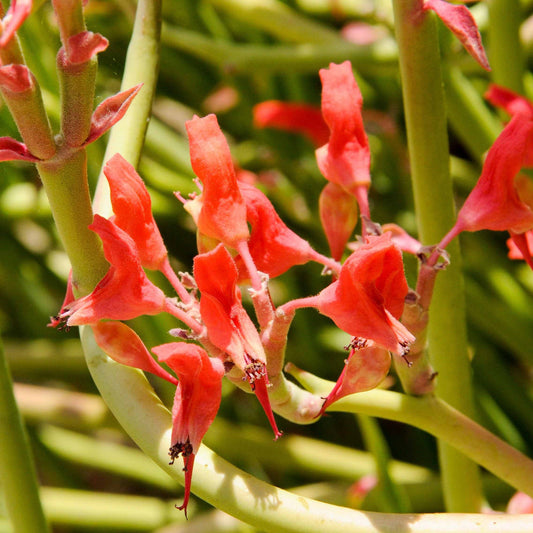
273,246
124,346
196,401
496,202
289,116
124,292
222,212
133,211
364,370
345,159
368,298
228,325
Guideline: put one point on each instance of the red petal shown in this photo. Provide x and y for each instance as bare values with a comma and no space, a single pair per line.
345,160
339,215
16,78
16,14
223,212
133,211
494,203
512,102
124,346
12,150
299,118
82,47
364,370
460,21
109,112
273,246
124,292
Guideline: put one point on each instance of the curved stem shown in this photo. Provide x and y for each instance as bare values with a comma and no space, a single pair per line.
420,67
17,470
135,405
438,418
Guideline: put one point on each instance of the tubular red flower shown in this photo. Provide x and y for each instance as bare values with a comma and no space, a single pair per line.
294,117
228,325
222,214
124,292
133,211
368,298
273,246
196,401
345,159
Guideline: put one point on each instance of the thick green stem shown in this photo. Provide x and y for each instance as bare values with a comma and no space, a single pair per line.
17,471
425,114
65,181
127,136
135,405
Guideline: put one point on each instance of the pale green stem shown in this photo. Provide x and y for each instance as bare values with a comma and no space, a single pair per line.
17,471
127,136
425,113
137,408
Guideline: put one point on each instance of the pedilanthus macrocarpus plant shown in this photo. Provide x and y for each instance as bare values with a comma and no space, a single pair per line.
233,340
366,297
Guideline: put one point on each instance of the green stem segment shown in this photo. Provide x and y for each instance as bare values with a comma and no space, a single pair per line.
417,37
17,471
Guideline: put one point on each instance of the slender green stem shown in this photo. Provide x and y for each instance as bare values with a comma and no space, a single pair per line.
135,405
127,136
505,51
17,471
425,112
281,58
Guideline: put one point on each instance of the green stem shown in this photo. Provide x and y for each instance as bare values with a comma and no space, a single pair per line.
438,418
65,181
17,470
505,51
135,405
425,112
307,57
127,136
